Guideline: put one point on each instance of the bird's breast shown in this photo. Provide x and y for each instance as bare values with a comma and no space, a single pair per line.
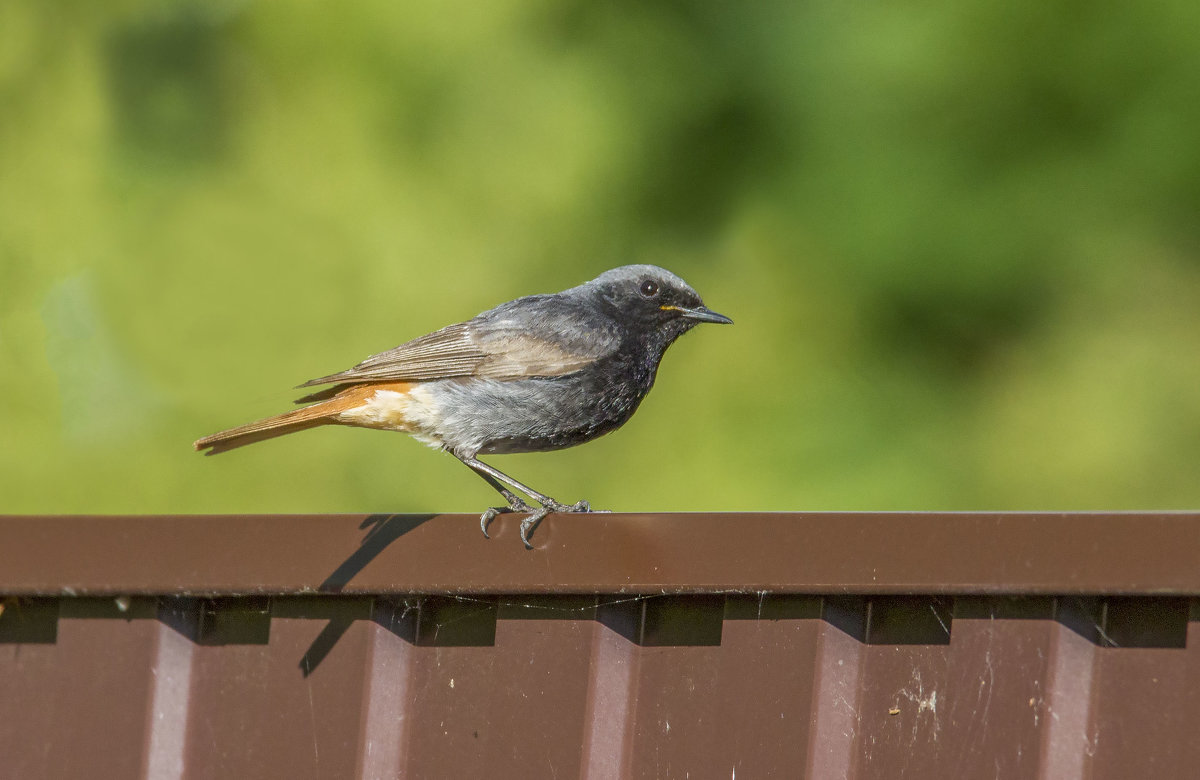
532,415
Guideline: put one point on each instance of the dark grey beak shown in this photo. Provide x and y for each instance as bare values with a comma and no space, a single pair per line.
705,314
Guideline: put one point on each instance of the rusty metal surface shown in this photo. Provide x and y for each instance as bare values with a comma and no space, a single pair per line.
863,553
898,660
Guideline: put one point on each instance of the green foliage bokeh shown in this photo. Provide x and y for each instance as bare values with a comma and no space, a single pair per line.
961,243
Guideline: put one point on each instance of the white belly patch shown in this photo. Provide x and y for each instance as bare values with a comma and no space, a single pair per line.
412,412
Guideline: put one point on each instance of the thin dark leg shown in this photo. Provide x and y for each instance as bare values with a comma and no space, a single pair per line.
498,479
494,475
514,501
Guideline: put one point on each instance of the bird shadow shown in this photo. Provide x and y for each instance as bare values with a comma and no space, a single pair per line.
382,530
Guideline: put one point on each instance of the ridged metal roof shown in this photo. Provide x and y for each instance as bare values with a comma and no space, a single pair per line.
649,646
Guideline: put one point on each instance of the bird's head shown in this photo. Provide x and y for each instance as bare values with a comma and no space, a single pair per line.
653,300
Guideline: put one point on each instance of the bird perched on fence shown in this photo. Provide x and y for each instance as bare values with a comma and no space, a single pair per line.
539,373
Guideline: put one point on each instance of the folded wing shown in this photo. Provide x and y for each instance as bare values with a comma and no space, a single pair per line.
538,338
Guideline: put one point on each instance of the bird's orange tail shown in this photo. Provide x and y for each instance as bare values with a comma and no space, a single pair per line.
260,430
327,412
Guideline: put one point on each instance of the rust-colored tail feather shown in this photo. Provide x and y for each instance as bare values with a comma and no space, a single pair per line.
326,412
260,430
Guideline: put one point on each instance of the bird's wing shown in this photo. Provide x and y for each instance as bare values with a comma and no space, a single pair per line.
538,336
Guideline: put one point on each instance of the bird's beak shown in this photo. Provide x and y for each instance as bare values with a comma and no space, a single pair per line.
702,314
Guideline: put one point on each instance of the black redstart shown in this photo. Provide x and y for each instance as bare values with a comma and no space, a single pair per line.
539,373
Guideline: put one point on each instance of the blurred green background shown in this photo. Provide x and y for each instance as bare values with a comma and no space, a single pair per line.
961,242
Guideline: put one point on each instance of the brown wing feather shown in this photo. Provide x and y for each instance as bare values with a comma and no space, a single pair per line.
463,350
520,355
444,353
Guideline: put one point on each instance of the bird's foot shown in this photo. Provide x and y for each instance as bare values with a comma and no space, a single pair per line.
549,505
533,516
531,521
578,506
515,504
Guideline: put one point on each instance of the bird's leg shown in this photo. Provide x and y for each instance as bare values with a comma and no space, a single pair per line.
494,475
515,502
498,479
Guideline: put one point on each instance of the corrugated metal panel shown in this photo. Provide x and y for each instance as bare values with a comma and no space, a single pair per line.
962,646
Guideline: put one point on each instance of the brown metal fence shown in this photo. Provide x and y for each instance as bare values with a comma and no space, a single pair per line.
823,645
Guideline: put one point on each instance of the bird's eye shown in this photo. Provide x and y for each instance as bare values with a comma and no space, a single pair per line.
649,288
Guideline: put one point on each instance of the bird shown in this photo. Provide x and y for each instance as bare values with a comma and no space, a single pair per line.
535,374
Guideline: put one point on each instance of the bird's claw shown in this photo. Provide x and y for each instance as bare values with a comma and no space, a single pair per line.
578,506
488,516
531,522
534,517
514,505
